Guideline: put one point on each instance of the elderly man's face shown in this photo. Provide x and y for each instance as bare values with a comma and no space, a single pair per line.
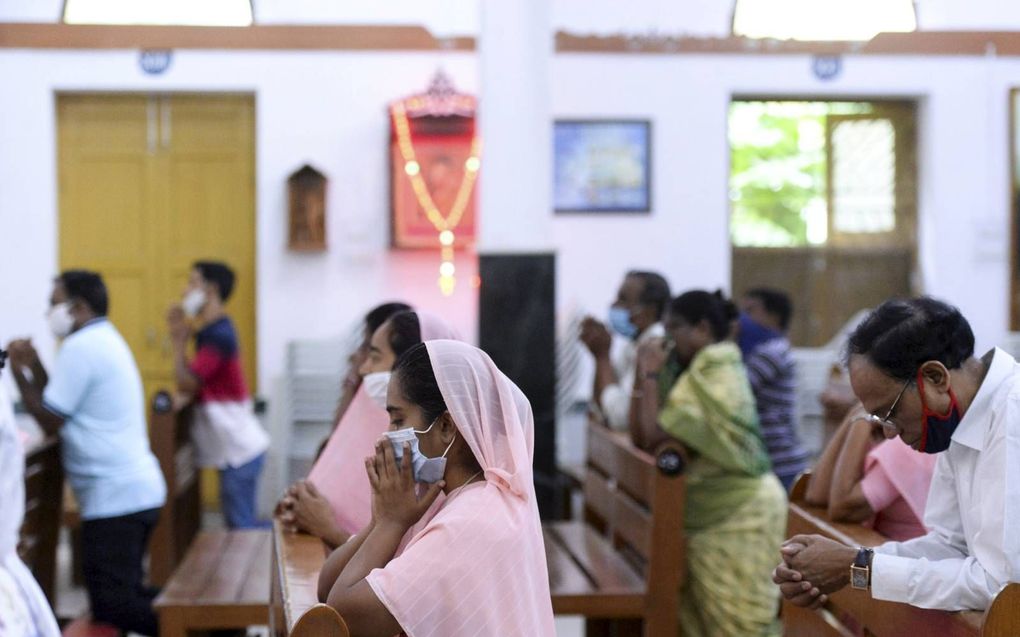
878,392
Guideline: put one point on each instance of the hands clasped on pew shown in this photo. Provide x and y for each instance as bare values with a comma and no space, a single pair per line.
813,567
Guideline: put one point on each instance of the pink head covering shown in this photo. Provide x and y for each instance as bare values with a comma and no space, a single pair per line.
434,328
475,564
909,471
490,411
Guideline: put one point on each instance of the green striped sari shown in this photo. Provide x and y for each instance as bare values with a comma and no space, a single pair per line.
735,515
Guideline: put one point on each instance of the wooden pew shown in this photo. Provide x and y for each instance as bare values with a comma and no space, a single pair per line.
626,559
71,520
294,608
222,583
180,519
849,612
44,488
571,476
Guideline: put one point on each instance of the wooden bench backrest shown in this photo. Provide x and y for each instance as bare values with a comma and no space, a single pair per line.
294,608
44,490
637,500
180,519
879,618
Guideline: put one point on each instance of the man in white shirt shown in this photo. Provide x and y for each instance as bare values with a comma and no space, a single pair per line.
635,316
94,399
912,365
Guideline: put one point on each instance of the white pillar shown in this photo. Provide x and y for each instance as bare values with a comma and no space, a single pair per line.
517,267
515,184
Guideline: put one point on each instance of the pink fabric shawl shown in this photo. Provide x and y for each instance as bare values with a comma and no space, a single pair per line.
434,328
908,471
475,565
339,473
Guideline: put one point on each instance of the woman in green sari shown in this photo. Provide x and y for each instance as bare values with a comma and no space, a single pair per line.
736,508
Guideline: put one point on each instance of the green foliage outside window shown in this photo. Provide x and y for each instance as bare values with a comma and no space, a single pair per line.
778,172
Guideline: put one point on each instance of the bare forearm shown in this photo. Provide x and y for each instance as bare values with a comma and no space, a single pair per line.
846,497
634,416
335,537
821,475
647,434
39,376
186,381
338,559
851,506
32,397
376,551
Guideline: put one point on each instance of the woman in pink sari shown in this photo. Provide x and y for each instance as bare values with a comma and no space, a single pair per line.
862,477
474,563
335,500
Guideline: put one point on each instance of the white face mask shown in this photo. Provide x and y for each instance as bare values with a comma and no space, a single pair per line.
426,470
376,385
60,319
193,302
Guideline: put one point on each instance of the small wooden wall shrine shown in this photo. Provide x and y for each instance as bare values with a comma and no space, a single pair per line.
307,212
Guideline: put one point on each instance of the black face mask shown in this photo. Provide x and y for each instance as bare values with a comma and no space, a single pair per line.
937,430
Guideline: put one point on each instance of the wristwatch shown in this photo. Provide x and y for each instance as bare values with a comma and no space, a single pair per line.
860,570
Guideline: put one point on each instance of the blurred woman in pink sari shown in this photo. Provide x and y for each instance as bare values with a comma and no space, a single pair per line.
862,477
335,500
473,563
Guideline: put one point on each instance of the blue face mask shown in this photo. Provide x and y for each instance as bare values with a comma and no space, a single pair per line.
619,320
937,429
426,470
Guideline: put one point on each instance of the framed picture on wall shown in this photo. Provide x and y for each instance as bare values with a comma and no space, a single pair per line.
602,166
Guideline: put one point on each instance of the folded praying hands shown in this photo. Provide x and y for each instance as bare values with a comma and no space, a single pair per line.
813,567
395,498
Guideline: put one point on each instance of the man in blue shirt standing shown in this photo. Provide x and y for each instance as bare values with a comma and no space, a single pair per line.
764,320
94,400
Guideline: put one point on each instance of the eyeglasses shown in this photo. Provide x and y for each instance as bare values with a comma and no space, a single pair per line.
885,422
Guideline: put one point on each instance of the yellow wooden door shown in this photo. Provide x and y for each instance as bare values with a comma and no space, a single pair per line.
107,204
208,164
148,185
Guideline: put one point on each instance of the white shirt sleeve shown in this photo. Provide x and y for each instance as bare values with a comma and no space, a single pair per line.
615,399
949,584
69,381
